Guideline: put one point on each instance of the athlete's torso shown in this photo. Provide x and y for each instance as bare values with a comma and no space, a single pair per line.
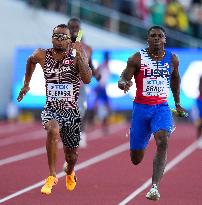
62,81
153,80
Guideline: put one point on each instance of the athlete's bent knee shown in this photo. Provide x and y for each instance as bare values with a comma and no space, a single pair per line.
136,157
52,128
162,141
135,161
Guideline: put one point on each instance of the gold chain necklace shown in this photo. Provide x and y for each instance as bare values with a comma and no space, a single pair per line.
64,52
156,56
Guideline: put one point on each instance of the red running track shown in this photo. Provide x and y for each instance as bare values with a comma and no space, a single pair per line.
105,173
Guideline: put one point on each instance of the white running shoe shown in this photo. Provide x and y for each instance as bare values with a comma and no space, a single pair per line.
83,141
153,193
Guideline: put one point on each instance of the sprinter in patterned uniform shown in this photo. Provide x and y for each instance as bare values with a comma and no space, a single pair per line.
63,70
155,70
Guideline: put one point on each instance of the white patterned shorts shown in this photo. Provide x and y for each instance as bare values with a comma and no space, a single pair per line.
69,123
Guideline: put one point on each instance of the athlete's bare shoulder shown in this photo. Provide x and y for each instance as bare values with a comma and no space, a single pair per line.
38,56
134,62
136,57
175,61
175,58
39,53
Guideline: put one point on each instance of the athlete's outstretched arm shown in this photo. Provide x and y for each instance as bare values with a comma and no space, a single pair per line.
131,70
175,82
30,67
82,63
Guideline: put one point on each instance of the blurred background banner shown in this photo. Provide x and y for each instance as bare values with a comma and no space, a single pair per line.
190,72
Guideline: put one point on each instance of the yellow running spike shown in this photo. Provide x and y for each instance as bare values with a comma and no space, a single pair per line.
79,36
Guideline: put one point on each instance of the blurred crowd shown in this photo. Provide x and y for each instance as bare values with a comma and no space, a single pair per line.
54,5
184,16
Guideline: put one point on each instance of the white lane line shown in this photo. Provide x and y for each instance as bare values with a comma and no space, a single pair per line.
98,133
185,153
41,133
41,150
26,155
23,137
200,143
12,128
105,155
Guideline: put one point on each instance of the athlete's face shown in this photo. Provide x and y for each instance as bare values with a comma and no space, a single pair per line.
61,39
74,27
156,38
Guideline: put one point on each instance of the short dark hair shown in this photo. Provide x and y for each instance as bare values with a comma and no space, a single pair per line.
61,26
73,19
156,27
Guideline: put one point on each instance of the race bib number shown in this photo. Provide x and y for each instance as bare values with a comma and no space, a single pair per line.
59,92
155,87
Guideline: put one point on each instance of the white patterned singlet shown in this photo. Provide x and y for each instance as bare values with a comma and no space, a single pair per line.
62,82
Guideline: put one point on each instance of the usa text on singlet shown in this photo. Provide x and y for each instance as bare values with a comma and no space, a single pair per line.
153,80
